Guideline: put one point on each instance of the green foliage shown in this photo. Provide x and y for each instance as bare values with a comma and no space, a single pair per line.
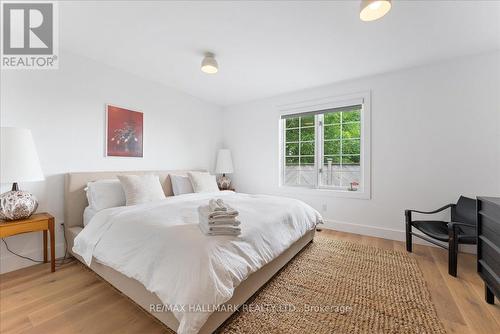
332,132
351,130
335,159
292,135
292,122
341,135
352,159
307,161
331,147
332,118
306,148
292,149
307,134
351,146
351,116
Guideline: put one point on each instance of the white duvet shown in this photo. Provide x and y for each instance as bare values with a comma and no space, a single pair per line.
160,245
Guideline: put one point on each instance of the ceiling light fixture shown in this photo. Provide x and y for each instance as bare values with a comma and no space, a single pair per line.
371,10
209,64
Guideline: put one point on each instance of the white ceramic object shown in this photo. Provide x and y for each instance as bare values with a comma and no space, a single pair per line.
224,182
17,204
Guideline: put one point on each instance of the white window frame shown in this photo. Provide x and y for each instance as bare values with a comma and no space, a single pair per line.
363,98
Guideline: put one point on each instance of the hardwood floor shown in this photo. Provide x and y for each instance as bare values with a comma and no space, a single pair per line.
73,300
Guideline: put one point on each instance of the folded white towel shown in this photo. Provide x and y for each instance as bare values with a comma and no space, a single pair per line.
221,215
219,230
218,204
221,203
229,229
221,221
215,205
205,211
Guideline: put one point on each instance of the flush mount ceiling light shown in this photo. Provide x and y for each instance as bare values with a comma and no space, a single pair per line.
209,64
371,10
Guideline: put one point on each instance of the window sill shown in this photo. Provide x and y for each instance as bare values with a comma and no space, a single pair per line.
324,192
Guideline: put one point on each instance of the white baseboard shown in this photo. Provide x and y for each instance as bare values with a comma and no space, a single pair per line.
382,232
11,262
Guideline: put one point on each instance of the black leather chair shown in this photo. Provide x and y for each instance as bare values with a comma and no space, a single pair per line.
461,229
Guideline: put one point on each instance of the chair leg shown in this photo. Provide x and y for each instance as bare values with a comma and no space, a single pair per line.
488,294
408,238
408,232
452,257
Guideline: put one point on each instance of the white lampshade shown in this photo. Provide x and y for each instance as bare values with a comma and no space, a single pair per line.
371,10
224,162
19,160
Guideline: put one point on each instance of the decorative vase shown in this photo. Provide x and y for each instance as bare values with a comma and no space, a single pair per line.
17,204
224,182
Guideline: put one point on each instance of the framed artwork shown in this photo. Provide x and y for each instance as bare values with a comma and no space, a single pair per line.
124,132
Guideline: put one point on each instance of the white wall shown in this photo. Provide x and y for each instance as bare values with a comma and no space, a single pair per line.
65,110
435,135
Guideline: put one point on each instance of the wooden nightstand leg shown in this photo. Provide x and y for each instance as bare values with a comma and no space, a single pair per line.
52,246
45,246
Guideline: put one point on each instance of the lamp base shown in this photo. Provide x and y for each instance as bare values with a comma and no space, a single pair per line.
17,204
223,182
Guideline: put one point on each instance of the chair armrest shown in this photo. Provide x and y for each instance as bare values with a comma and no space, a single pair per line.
431,212
453,224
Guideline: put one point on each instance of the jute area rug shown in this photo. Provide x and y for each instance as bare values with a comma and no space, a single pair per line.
336,286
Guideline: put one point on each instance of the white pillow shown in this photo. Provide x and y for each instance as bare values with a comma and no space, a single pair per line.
90,212
203,182
103,194
181,184
141,188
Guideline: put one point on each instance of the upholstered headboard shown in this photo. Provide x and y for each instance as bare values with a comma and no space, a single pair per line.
75,199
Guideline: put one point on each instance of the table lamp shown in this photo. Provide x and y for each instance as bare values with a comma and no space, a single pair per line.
224,166
19,163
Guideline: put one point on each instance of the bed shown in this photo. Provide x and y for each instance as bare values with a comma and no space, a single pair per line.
300,225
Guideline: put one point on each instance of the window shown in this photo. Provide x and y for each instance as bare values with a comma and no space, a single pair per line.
327,148
300,138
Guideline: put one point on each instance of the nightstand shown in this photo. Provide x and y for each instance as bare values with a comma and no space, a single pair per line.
37,222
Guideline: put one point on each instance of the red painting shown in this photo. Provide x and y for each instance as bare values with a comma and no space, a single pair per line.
124,132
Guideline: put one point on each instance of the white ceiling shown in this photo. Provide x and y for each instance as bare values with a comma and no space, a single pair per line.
265,48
